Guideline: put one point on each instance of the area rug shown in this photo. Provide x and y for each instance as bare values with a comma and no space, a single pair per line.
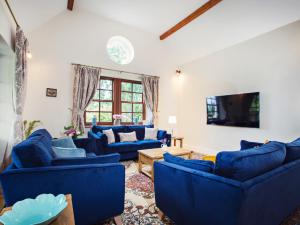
140,206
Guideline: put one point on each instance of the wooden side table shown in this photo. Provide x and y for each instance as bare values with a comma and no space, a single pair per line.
180,139
65,218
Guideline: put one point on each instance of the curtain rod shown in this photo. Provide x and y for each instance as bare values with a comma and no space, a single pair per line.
120,71
11,12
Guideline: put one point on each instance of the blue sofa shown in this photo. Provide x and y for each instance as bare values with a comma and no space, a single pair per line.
97,183
127,150
253,186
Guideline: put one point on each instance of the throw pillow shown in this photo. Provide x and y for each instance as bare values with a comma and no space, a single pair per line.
150,133
110,136
248,144
292,151
127,137
203,165
69,152
64,142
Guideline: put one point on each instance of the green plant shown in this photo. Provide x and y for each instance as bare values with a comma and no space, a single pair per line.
28,127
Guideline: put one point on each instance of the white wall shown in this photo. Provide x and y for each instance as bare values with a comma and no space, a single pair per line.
81,37
7,25
269,64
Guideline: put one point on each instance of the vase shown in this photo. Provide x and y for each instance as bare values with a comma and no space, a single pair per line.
117,122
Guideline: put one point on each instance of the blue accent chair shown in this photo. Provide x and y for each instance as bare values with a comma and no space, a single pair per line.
97,183
127,150
258,188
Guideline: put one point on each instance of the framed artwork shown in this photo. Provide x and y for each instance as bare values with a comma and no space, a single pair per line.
51,92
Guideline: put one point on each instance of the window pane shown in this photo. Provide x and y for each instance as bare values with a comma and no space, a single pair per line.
137,97
137,108
97,95
93,106
105,117
106,106
126,86
126,107
127,117
106,84
105,95
138,116
89,116
126,97
137,88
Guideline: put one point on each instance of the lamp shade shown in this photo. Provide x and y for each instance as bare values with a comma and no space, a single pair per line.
172,120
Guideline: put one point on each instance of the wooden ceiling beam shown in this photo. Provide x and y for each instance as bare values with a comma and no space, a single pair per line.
204,8
70,5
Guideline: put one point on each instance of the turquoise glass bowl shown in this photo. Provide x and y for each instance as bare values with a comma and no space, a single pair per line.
39,211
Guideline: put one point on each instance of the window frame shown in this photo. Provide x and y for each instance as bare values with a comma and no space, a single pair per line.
116,100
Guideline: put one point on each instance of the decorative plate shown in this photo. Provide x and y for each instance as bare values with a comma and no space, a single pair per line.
39,211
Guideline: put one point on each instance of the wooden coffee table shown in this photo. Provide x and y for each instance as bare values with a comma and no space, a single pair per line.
149,156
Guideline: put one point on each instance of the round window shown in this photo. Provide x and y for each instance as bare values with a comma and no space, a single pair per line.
120,50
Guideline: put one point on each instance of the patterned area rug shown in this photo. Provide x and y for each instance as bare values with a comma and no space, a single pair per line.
140,206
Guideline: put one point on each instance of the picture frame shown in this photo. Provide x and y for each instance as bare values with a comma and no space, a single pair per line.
51,92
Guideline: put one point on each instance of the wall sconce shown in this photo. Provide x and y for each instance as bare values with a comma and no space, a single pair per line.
178,72
29,55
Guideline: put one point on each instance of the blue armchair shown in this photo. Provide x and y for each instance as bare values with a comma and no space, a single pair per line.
97,183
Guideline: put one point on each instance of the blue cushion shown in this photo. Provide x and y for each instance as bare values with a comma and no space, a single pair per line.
64,142
202,165
116,130
69,152
140,130
147,144
249,144
90,154
122,147
161,134
243,165
292,151
42,132
33,152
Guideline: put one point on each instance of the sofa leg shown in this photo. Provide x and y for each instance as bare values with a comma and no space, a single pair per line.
118,220
161,215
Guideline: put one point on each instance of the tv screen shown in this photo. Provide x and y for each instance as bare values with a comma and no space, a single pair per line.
241,110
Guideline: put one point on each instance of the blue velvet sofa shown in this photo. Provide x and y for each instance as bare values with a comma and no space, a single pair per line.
127,150
247,187
97,183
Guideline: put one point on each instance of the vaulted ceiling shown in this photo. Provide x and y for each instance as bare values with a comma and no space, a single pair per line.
228,23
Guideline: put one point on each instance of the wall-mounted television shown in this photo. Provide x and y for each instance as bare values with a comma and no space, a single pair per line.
240,110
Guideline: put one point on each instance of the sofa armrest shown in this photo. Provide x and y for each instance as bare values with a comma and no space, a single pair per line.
198,195
99,141
87,144
93,187
111,158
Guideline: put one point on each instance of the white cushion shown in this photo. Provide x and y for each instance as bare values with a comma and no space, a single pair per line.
110,136
150,133
126,137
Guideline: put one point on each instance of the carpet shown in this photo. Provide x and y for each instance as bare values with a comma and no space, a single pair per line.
140,206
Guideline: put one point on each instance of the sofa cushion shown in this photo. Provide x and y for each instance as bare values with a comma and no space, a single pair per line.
120,147
43,132
33,152
140,130
202,165
64,142
116,130
151,133
148,144
292,151
249,144
61,152
128,137
110,135
243,165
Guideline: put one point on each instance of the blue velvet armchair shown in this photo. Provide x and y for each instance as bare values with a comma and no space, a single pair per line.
97,183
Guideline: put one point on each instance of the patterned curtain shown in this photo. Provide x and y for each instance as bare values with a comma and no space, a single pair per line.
151,88
20,82
86,80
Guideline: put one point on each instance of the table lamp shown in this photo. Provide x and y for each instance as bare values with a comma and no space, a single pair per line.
172,120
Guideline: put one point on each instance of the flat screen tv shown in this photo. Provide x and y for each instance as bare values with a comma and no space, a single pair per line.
241,110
